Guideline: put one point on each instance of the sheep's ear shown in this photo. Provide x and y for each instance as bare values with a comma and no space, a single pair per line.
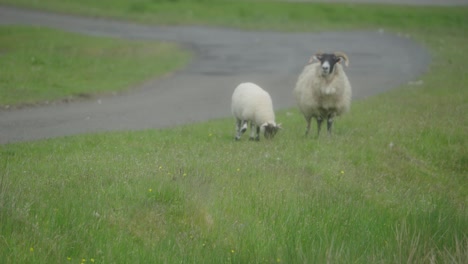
314,58
317,57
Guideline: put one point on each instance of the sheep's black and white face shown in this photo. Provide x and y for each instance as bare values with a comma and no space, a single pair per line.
327,62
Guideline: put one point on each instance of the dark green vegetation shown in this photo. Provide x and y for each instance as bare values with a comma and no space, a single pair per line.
389,187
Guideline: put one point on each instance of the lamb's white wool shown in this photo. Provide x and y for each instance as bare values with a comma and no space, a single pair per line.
323,90
250,103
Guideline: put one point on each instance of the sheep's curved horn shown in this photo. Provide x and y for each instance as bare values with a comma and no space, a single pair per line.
343,56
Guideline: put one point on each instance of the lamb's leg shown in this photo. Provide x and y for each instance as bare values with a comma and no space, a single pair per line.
244,126
238,129
257,138
241,127
254,132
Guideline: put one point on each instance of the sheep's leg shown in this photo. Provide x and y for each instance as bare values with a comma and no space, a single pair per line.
254,132
308,119
330,122
238,129
329,125
257,138
319,125
241,127
244,126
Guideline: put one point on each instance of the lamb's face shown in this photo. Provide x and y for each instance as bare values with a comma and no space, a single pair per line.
327,62
270,130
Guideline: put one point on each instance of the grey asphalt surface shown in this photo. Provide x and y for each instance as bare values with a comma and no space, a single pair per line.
379,61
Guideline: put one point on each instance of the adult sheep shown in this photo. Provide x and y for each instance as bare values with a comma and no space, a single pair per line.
323,90
250,103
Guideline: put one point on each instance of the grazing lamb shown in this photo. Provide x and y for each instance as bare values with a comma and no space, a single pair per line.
322,90
251,103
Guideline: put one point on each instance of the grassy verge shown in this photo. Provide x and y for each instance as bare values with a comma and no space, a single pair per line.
267,15
389,187
393,191
41,64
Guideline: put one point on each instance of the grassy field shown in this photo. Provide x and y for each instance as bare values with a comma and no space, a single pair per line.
39,64
267,15
389,187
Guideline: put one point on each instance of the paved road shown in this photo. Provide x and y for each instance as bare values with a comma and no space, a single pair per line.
202,91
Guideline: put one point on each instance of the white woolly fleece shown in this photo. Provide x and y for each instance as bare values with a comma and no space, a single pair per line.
315,93
250,102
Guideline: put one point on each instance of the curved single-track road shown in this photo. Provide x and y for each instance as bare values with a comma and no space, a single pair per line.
202,90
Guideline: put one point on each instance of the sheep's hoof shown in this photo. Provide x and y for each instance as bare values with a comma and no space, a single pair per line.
237,138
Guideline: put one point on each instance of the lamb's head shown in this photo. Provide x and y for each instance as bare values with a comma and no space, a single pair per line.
329,60
270,129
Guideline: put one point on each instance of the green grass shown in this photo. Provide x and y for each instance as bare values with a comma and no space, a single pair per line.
39,64
389,187
192,194
267,15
